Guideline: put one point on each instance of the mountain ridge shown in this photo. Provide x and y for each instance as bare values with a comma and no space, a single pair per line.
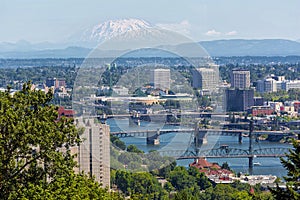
82,43
215,48
252,47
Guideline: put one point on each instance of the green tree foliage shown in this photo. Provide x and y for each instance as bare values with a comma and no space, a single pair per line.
282,95
204,101
225,166
123,181
168,187
75,186
191,180
116,141
186,195
139,185
35,158
165,171
133,149
225,192
139,93
292,164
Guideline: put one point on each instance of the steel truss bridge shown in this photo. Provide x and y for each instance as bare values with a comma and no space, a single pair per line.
143,133
226,152
223,151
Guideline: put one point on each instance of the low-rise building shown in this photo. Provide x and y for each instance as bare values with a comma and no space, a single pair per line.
213,171
294,84
297,106
288,110
274,105
261,110
65,112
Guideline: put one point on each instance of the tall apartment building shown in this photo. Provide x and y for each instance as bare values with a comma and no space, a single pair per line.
240,78
205,79
160,78
94,151
239,99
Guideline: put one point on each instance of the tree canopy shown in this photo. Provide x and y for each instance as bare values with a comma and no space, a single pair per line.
35,157
292,164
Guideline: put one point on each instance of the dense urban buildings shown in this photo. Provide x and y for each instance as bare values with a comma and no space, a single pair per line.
205,79
274,83
240,78
160,78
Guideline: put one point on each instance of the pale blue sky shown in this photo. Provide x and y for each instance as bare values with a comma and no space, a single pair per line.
56,20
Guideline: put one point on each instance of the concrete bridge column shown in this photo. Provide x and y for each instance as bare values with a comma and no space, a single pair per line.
251,128
102,118
153,137
201,138
134,119
240,137
251,164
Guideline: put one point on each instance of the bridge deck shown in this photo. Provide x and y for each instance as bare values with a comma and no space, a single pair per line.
232,156
214,131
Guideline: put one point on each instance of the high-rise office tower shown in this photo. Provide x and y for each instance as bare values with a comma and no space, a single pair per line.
240,78
160,78
205,79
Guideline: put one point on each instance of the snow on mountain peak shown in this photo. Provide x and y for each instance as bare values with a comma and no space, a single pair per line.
113,28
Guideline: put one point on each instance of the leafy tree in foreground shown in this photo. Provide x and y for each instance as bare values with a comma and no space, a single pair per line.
292,164
35,158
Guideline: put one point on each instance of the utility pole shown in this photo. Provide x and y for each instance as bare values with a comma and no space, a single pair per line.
251,156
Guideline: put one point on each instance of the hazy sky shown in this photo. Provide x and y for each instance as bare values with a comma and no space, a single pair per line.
57,20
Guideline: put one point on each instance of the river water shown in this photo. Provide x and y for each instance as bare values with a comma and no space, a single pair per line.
181,141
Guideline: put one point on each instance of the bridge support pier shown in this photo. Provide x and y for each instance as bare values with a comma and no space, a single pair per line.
153,138
251,128
134,120
240,138
201,138
251,165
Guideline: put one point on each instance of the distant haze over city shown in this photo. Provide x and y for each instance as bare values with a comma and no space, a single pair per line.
81,43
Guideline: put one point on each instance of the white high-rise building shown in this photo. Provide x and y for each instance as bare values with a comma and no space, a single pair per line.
270,85
205,79
94,151
160,78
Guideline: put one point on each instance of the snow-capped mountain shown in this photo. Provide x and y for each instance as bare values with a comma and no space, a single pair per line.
126,34
114,28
